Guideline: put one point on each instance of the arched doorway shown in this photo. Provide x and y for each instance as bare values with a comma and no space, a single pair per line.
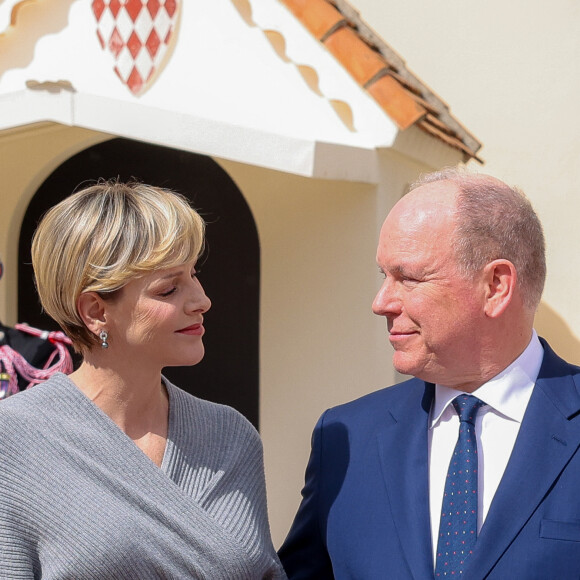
229,373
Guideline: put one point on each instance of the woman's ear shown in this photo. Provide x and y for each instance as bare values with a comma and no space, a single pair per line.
91,309
500,278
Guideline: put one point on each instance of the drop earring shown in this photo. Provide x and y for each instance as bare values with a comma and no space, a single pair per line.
104,336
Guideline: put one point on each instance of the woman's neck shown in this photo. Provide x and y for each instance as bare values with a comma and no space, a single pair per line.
137,402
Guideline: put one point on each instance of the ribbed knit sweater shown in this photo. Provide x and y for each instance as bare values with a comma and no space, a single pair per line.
80,501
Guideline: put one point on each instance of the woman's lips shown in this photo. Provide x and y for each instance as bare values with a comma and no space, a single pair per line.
194,329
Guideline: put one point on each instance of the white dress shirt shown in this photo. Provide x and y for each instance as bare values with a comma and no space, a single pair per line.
506,397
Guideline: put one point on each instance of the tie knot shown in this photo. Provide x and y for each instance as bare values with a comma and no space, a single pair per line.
467,407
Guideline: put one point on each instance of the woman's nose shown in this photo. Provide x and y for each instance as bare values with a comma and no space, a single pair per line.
199,301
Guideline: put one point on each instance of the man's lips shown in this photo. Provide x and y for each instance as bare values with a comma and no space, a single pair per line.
194,329
401,334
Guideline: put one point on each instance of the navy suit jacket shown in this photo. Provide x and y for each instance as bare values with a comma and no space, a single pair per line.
365,508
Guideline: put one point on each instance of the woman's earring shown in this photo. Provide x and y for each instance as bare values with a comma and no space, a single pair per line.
103,336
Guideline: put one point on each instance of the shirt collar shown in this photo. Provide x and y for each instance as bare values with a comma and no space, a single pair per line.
507,393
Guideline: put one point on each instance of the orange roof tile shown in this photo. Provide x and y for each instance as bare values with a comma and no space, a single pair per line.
379,70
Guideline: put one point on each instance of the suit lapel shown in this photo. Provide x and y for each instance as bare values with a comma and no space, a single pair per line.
548,437
403,449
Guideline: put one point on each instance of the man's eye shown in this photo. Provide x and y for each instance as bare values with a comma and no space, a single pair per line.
409,280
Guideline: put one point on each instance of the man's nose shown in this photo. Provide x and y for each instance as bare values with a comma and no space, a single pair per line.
387,301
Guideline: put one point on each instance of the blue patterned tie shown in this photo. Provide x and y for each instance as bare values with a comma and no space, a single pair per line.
458,526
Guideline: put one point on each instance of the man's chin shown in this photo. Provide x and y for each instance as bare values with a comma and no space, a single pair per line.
404,368
406,365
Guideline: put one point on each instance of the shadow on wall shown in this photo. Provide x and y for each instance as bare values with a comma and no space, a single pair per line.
551,326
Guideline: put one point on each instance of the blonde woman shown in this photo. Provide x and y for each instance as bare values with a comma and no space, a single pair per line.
112,471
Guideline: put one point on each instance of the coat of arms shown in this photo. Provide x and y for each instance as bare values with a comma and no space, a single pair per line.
138,34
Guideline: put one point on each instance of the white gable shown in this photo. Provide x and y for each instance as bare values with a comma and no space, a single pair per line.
225,91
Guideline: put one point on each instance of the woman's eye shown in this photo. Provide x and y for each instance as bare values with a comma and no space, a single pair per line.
168,292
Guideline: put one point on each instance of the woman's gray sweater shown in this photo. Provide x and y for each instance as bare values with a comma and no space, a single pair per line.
80,501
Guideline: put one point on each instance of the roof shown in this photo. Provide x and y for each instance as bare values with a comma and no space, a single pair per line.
378,69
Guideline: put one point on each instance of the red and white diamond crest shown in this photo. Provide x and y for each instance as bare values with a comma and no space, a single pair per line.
138,34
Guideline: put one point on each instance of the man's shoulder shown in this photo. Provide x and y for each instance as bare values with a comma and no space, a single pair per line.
381,400
552,362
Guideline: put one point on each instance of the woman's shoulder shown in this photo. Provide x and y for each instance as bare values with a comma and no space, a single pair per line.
30,424
33,416
44,394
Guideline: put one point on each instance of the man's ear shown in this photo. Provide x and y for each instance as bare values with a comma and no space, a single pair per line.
91,308
500,278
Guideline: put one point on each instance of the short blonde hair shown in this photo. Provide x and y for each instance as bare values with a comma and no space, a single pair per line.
101,237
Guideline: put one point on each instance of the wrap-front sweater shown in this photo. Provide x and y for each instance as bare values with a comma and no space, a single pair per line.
80,501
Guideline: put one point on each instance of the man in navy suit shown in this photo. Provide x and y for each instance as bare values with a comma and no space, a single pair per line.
463,261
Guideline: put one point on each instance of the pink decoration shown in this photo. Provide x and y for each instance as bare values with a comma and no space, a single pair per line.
14,363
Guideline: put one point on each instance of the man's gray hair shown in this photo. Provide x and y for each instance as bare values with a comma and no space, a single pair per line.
496,221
